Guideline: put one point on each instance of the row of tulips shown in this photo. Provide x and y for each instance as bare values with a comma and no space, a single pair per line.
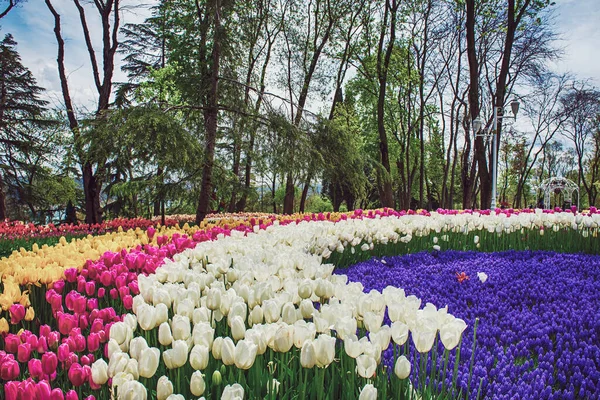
17,229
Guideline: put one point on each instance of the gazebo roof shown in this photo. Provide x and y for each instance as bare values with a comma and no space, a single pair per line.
558,182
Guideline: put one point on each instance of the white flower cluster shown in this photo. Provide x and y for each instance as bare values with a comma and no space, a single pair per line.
265,287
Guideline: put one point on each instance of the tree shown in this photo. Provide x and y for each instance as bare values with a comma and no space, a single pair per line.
21,113
109,13
582,106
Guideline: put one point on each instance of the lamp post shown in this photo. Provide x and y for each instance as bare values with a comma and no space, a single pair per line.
514,105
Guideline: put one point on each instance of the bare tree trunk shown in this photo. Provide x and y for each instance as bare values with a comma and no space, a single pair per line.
305,192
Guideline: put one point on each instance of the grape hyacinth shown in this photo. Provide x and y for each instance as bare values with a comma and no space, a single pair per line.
538,335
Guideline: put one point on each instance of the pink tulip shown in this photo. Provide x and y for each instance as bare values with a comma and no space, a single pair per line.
58,286
24,352
42,345
93,342
49,363
114,294
150,232
66,323
43,390
35,368
57,394
32,340
71,395
77,374
106,278
73,359
9,370
11,343
45,330
92,303
128,302
65,349
53,340
11,390
17,313
71,275
80,343
90,288
101,292
83,321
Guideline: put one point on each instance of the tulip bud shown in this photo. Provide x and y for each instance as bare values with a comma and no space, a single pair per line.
402,367
216,378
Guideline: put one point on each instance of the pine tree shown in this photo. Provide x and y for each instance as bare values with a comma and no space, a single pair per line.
21,110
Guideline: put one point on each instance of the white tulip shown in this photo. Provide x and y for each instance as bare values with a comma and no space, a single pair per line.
181,327
324,350
164,334
402,367
245,354
132,390
197,384
137,346
369,392
199,357
217,347
164,388
176,356
308,356
399,331
366,366
203,334
238,328
283,339
148,362
233,392
228,351
451,332
100,372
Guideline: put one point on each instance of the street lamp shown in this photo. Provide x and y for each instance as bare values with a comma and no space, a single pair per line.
514,106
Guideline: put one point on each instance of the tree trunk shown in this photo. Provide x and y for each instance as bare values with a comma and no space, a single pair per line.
210,118
159,198
2,200
305,192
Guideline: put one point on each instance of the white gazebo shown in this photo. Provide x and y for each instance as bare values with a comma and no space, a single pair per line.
559,186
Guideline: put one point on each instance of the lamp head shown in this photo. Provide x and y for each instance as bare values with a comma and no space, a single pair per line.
514,106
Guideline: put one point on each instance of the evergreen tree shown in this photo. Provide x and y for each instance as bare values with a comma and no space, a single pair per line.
21,110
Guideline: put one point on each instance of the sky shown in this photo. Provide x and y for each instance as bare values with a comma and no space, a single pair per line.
32,27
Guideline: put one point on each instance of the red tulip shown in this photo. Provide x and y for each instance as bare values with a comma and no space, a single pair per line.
49,363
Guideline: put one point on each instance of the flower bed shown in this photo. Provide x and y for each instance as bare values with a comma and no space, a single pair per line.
538,319
259,313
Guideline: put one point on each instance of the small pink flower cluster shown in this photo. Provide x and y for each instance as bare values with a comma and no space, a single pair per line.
21,230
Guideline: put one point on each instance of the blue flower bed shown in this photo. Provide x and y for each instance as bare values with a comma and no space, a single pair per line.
539,317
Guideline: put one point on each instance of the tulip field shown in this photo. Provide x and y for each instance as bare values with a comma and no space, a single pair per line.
362,305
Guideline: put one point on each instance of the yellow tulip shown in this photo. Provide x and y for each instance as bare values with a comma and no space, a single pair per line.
3,326
30,314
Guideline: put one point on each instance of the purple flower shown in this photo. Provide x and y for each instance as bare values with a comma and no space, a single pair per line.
539,326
